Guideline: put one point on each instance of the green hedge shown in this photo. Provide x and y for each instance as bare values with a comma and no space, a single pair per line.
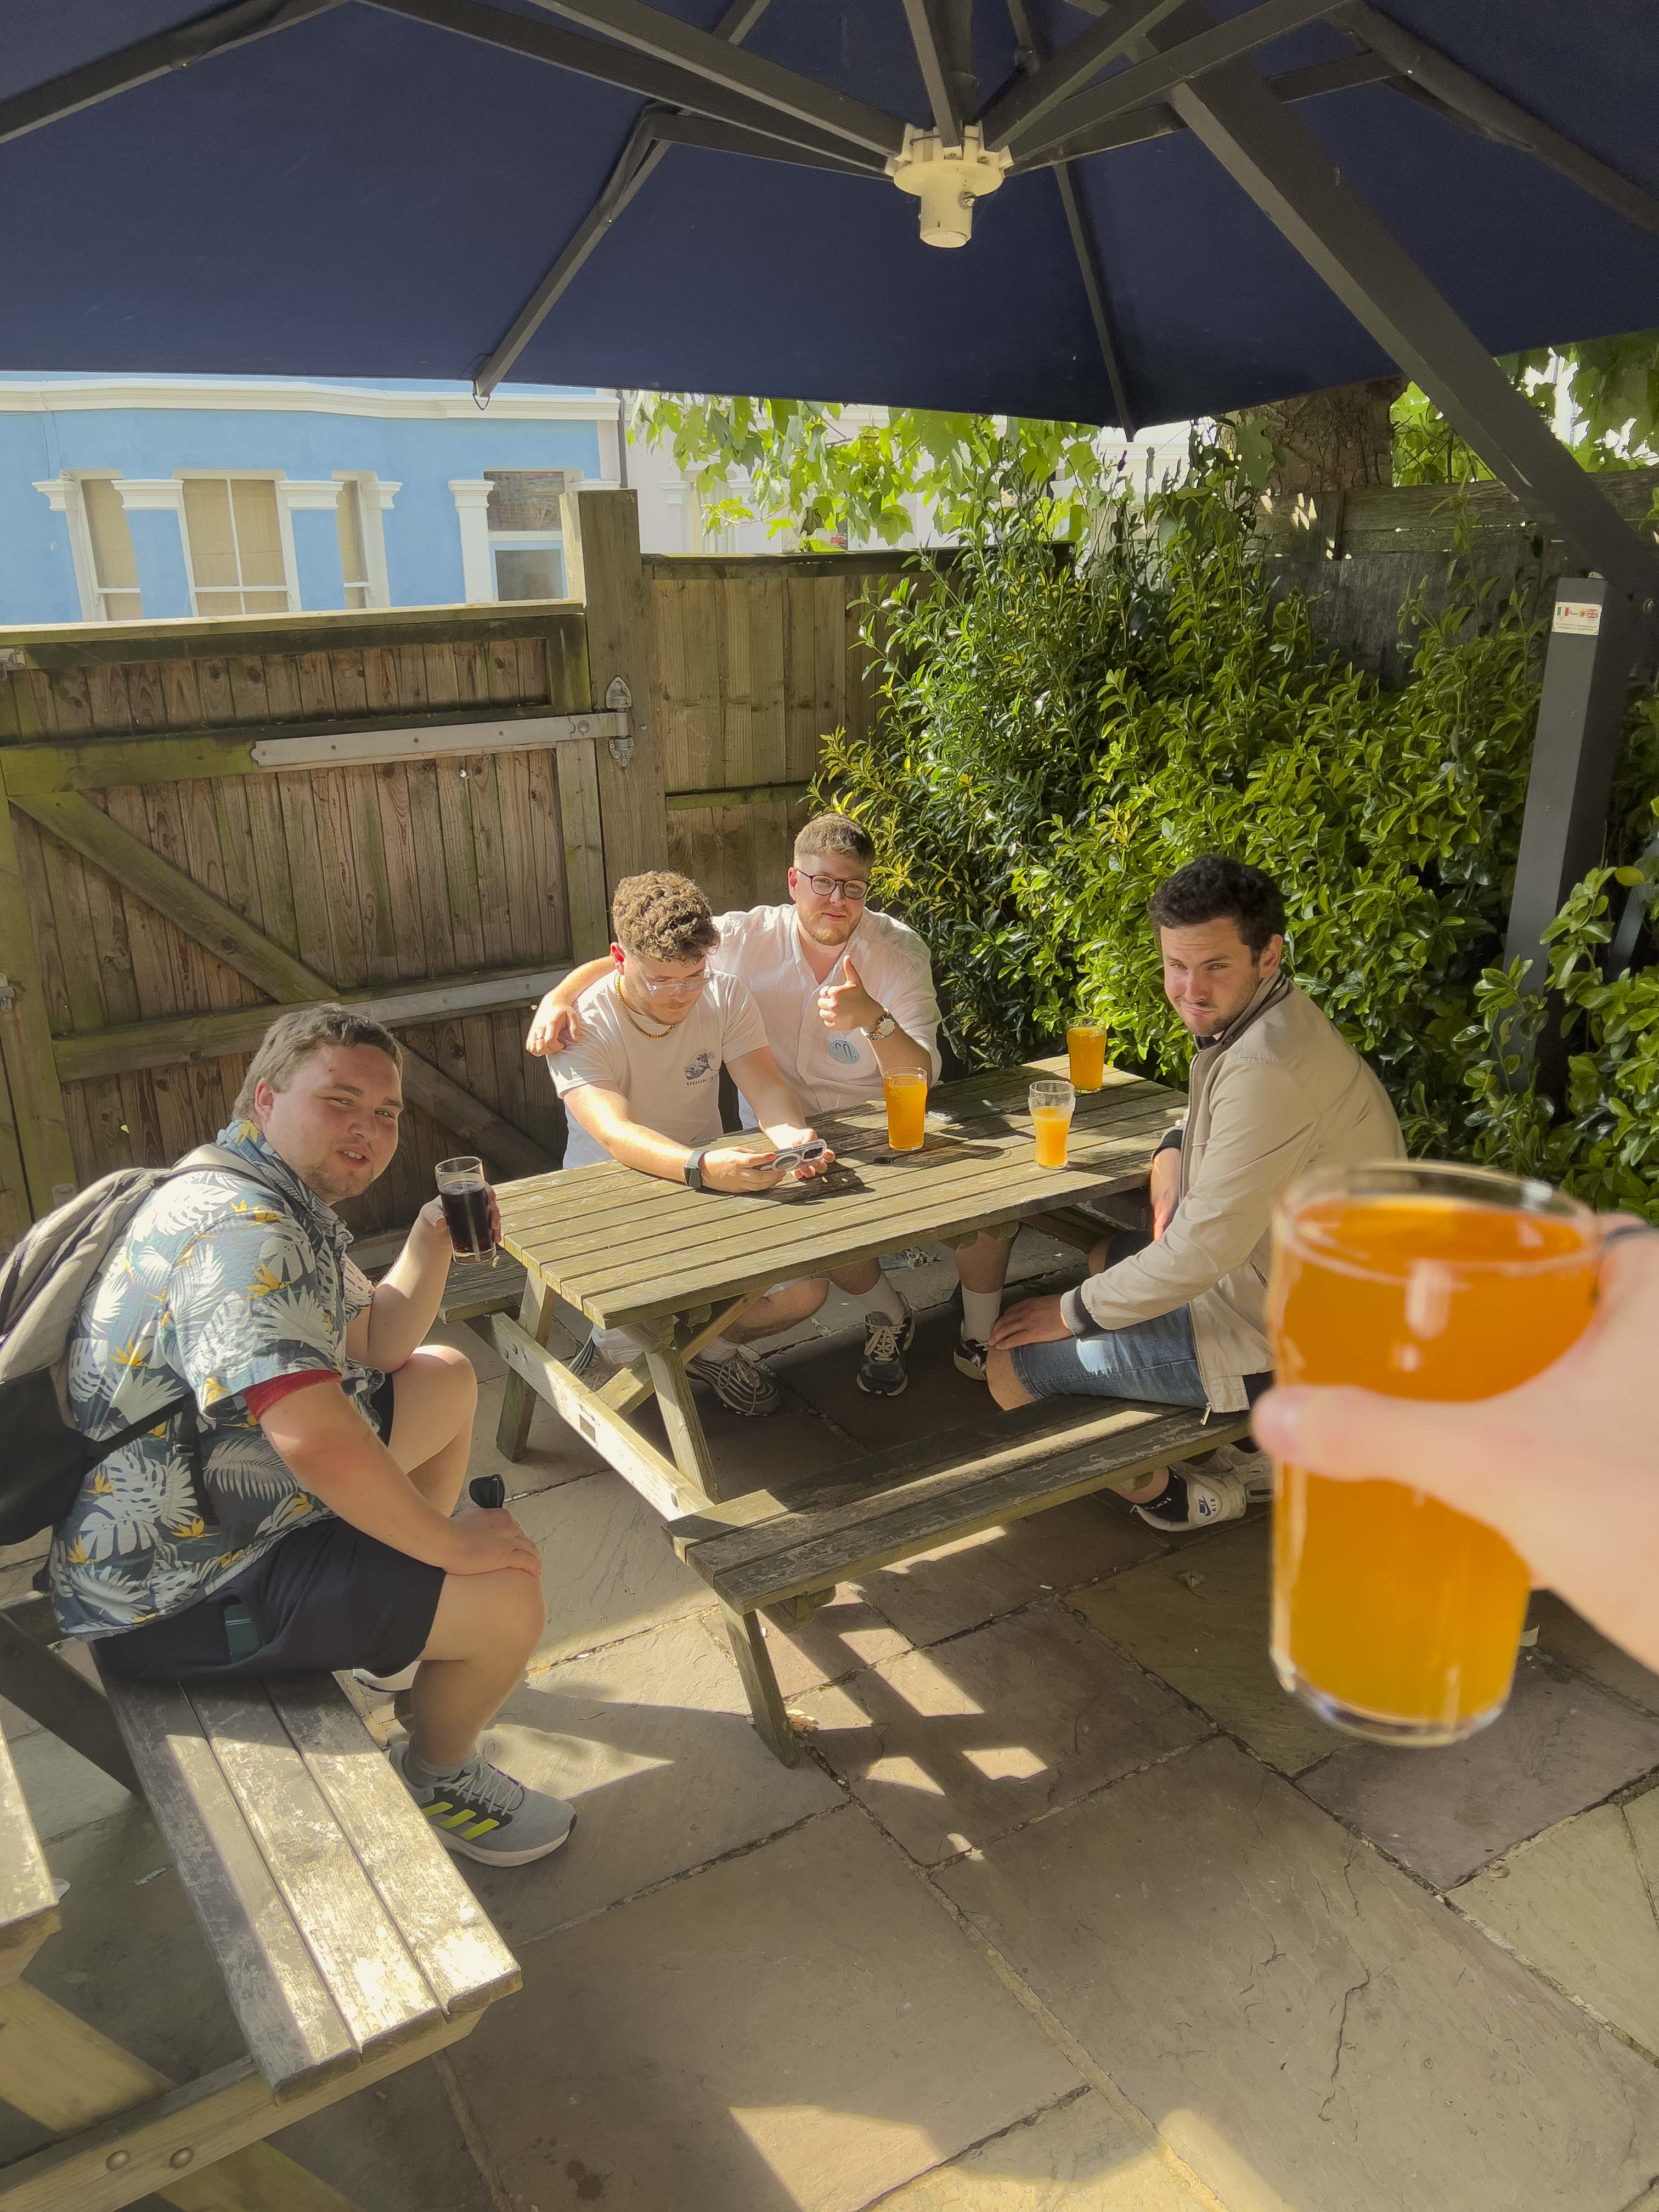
1056,735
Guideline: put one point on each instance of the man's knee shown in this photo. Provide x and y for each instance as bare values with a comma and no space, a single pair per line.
1003,1384
1097,1256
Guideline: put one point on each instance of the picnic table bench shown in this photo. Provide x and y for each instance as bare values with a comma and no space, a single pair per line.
348,1945
628,1251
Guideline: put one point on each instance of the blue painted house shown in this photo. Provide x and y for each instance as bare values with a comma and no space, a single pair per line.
128,498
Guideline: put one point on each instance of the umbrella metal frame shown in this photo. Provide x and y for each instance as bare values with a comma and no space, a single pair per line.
1184,72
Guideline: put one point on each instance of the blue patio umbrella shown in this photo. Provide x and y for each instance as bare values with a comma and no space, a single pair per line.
1154,207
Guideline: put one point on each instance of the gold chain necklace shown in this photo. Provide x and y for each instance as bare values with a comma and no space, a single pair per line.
655,1035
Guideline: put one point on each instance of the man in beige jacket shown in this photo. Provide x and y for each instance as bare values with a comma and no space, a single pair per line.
1180,1317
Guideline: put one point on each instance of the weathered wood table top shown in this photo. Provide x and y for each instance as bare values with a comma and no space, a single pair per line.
624,1247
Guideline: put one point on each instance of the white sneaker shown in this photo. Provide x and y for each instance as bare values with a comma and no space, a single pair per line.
591,1365
742,1384
1223,1492
387,1685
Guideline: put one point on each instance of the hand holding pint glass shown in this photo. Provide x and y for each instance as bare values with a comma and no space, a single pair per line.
1394,1616
469,1210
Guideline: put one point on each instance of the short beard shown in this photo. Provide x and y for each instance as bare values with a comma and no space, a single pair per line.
822,932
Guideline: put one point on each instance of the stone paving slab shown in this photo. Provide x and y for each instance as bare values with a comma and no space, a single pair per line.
1079,2156
1307,2029
974,1578
1559,1746
608,1570
651,1740
798,2030
1199,1620
1563,1635
130,1960
840,1637
953,1745
1577,1903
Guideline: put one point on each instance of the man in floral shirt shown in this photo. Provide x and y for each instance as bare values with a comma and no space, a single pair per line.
305,1518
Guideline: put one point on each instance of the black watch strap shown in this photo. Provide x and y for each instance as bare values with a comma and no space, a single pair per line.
694,1167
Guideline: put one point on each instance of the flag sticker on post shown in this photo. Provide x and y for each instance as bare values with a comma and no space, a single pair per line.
1583,617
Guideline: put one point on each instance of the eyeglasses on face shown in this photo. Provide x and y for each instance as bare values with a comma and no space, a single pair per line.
851,888
671,986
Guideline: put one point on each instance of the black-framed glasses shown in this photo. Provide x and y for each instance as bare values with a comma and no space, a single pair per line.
851,888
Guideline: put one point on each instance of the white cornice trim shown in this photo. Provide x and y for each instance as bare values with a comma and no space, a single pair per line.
323,494
471,491
158,495
55,492
249,396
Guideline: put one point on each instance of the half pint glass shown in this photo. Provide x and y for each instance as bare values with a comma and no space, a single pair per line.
1393,1616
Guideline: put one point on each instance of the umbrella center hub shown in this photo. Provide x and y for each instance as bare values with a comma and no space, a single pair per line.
947,179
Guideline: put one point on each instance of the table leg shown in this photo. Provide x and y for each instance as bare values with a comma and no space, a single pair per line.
517,1399
679,1413
743,1632
634,1385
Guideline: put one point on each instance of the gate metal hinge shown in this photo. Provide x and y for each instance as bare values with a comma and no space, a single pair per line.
8,994
619,698
13,656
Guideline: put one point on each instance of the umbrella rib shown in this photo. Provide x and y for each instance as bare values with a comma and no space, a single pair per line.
630,72
1143,124
1283,169
148,59
1473,101
1022,106
670,130
937,74
1085,244
707,55
1176,65
647,142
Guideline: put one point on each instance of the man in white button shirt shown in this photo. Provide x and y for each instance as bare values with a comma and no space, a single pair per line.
846,996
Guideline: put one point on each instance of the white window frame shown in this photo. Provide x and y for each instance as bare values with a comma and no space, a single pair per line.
374,498
63,494
527,541
290,585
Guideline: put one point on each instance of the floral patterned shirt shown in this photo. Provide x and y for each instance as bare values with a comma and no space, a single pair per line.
218,1286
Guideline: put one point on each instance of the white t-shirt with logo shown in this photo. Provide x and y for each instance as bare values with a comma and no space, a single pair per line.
827,1069
672,1082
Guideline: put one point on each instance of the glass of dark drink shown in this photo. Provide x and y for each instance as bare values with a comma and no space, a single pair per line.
465,1196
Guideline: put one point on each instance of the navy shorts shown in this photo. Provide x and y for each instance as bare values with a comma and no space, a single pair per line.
320,1601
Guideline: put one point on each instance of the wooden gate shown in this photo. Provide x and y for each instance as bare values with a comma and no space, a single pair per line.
416,811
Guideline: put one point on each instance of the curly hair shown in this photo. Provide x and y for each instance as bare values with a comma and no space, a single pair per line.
1217,888
662,916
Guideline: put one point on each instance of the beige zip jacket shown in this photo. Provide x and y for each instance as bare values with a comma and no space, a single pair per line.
1281,1092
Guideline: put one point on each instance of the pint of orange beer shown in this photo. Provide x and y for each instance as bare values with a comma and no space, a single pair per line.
1086,1049
906,1094
1393,1616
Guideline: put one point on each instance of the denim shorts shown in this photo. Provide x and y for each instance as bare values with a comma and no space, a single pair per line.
1156,1360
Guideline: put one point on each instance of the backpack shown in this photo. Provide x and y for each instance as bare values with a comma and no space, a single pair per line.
42,1283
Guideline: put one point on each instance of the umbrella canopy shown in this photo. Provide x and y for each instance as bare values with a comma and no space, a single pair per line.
379,190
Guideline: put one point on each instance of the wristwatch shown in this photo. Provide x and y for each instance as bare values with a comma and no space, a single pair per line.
694,1167
883,1028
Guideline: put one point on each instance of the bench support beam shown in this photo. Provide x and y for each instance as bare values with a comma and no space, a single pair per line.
48,1689
747,1639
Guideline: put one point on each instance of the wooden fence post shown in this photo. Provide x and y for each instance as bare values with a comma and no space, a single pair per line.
603,569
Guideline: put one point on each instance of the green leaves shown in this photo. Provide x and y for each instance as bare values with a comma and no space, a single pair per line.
1056,733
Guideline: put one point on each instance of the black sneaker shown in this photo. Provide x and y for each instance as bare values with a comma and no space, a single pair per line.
742,1384
881,1371
969,1357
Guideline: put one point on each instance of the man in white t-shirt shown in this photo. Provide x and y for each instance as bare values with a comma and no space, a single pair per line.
641,1084
846,996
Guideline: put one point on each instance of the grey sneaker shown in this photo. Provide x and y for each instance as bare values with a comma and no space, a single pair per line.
1226,1490
590,1366
882,1371
482,1814
742,1384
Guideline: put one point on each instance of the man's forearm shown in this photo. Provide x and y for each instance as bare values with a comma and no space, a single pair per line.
566,993
647,1150
898,1053
406,1301
777,1110
362,1482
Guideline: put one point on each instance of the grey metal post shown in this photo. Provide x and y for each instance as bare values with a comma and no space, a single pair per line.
1587,676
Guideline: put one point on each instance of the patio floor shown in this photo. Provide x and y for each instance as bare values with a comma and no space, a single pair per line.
1067,1906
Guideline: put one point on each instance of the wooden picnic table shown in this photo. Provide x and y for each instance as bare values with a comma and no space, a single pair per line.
626,1250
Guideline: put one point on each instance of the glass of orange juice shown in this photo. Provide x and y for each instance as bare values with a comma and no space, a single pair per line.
906,1094
1051,1105
1393,1617
1085,1047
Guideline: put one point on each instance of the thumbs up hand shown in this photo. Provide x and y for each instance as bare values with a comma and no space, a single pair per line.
847,1006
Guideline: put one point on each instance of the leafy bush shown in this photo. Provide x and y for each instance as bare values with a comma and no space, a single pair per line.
1056,734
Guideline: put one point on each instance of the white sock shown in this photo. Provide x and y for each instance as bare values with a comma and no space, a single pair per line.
885,1302
719,1349
980,1312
